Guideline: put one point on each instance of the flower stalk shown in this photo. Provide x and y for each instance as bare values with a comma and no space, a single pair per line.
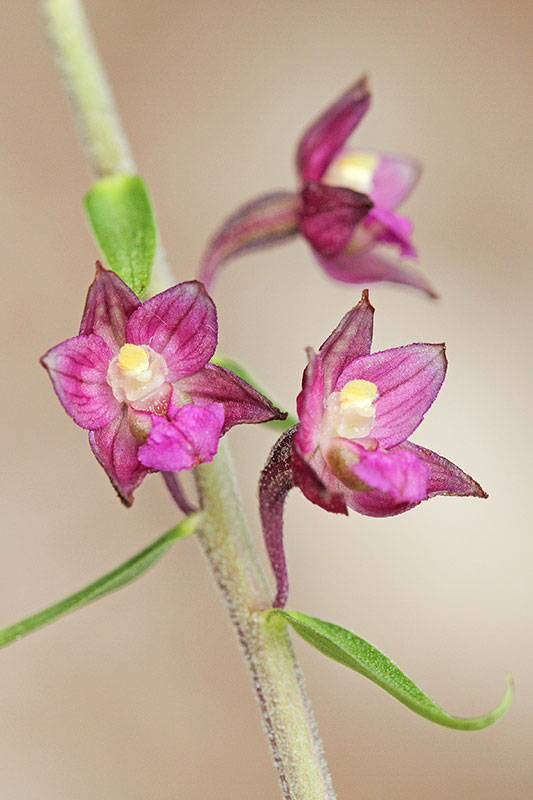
224,537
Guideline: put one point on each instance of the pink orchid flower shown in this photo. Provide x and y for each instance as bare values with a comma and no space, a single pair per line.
345,206
350,448
137,377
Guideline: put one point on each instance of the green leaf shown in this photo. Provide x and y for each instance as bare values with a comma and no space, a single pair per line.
242,372
121,576
350,650
121,218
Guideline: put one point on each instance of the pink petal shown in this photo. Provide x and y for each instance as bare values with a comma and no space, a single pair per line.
326,136
310,403
116,449
368,267
394,179
78,370
188,437
444,477
180,324
351,338
108,306
393,229
329,215
242,403
408,380
399,473
263,222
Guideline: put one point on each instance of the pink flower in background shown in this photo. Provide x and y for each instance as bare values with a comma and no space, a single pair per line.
137,377
350,448
345,207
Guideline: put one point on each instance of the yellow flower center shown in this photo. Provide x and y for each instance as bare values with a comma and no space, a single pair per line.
353,171
135,372
350,413
133,360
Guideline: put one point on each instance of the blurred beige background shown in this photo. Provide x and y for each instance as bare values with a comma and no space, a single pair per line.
143,695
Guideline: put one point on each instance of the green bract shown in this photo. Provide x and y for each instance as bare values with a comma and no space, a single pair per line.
122,220
116,579
347,648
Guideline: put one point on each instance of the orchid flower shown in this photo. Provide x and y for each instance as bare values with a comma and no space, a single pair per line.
344,207
137,377
350,448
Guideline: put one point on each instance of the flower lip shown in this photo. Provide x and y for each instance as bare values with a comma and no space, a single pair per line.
135,372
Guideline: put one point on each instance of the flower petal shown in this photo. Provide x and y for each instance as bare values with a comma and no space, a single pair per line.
180,324
116,449
242,403
394,179
316,482
275,482
310,403
108,306
445,478
188,437
408,380
329,215
399,473
78,371
351,339
326,136
368,267
393,229
264,221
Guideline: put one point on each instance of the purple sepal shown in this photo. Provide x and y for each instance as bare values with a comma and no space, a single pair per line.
399,473
187,438
78,371
326,136
351,339
310,403
262,222
242,403
445,478
108,306
369,267
408,380
116,449
180,324
317,483
329,215
275,482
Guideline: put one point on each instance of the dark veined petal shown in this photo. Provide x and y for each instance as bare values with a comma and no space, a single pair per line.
310,403
408,380
187,438
275,482
242,403
327,135
329,215
180,324
394,179
262,222
351,339
78,371
108,307
116,449
317,483
369,267
444,477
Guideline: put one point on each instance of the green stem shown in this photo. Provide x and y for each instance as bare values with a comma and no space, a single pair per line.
276,675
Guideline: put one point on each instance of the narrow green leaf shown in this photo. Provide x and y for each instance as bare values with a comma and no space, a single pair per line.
121,576
350,650
242,372
122,220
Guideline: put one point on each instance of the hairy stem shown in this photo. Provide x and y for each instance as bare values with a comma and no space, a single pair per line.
275,673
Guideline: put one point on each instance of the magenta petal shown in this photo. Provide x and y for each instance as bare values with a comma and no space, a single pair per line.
116,449
394,179
395,230
242,403
329,215
444,477
408,380
399,473
326,136
310,403
108,306
316,482
275,482
368,267
189,437
351,339
260,223
78,370
180,324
